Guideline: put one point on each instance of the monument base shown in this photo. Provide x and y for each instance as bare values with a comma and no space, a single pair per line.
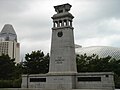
61,80
69,81
45,89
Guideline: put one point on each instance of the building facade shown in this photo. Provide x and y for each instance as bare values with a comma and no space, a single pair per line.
9,44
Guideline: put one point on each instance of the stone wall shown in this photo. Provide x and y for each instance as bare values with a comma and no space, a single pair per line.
100,80
48,89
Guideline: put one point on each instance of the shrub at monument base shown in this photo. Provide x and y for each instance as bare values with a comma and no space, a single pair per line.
5,83
10,83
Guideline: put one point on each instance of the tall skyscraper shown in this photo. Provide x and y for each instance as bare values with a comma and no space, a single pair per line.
8,43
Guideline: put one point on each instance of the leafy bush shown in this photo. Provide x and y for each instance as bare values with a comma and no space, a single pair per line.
10,83
6,83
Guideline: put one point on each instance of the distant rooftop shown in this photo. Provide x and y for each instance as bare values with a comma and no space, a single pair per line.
8,33
101,51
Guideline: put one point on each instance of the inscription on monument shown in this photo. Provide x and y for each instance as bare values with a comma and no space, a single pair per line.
59,60
40,85
58,79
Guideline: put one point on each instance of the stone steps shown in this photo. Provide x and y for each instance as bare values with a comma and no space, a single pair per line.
45,89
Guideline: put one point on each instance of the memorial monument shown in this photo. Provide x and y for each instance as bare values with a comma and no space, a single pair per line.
62,68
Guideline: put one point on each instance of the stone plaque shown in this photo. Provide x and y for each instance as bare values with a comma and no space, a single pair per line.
59,60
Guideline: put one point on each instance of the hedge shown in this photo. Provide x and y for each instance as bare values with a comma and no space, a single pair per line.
10,83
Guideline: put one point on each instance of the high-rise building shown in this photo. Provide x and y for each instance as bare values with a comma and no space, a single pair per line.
8,43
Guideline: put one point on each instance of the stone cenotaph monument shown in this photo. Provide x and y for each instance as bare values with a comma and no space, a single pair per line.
62,68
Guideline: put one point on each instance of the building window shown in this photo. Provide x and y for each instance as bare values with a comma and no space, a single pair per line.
65,22
60,23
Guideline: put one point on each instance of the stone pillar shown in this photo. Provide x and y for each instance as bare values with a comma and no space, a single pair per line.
62,69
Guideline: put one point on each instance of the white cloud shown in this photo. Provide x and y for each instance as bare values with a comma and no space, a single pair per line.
105,32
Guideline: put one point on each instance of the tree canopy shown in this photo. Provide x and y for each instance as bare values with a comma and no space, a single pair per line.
7,67
94,63
36,62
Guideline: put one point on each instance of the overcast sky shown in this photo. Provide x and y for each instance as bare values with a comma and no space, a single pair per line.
96,22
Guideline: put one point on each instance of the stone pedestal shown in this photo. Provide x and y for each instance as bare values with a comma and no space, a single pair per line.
61,81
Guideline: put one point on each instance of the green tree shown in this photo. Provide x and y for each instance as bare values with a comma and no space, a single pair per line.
7,67
18,71
36,63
